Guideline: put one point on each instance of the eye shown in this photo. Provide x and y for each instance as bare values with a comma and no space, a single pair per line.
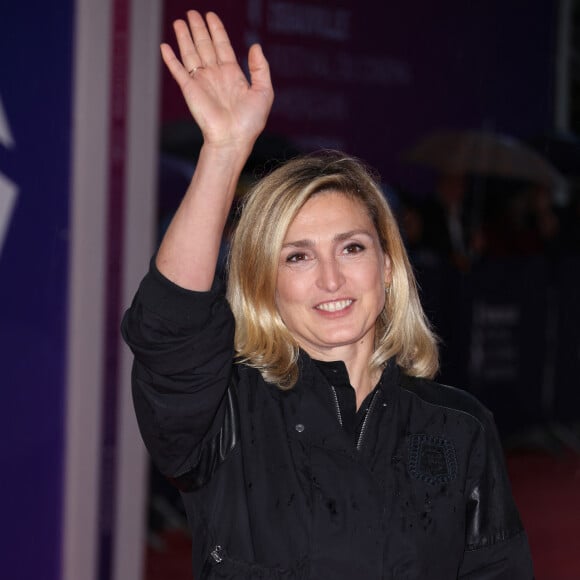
296,257
354,248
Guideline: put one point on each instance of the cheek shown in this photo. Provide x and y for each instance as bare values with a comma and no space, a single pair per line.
372,276
374,282
295,279
288,289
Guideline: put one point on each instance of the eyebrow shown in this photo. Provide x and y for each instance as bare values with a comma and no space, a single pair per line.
306,243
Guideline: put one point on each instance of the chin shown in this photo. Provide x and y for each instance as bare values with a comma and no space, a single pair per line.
340,340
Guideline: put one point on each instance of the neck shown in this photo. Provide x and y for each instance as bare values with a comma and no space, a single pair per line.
362,378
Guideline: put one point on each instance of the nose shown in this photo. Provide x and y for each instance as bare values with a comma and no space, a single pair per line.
330,276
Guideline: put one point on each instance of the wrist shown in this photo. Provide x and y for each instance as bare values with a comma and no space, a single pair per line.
227,156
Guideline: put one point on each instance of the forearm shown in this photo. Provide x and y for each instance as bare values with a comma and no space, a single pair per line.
189,251
230,112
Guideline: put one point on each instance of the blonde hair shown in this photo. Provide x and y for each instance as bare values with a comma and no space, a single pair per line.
262,340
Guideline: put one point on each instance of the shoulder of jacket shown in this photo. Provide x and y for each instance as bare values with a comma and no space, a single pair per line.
444,396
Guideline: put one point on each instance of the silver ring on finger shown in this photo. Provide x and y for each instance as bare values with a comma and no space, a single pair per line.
192,71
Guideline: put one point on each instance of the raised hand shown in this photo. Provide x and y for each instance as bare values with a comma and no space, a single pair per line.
229,110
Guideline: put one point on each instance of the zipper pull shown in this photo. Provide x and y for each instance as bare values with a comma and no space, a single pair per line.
218,554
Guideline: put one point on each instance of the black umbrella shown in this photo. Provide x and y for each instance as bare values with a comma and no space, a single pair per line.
482,153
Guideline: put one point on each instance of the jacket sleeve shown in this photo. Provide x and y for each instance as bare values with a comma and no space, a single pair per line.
496,543
182,343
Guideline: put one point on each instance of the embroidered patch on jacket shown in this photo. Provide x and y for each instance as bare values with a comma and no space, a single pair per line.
432,459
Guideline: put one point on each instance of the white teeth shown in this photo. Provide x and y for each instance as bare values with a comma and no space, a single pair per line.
334,306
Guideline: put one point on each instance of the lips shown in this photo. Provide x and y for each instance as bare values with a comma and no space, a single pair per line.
334,306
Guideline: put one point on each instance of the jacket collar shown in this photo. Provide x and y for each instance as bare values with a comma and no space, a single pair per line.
310,411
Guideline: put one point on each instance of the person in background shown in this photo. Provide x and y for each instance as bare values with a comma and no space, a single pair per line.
297,414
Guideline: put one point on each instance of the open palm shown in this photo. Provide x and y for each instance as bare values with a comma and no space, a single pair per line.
228,109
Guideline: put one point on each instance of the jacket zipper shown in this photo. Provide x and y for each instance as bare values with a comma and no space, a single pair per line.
336,405
363,429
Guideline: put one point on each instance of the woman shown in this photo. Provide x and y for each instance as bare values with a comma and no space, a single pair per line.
298,416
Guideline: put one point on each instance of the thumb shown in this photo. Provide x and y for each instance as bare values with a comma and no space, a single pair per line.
259,69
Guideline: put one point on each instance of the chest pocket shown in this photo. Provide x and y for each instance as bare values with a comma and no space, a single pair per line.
432,459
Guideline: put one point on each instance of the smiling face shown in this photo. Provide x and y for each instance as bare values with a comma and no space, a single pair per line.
331,277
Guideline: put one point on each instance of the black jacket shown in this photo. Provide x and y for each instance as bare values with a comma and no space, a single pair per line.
275,488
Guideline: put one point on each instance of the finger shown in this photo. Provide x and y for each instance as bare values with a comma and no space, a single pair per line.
201,38
178,72
187,50
259,70
221,41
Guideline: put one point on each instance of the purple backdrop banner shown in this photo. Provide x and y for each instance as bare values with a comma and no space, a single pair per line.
374,77
35,128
